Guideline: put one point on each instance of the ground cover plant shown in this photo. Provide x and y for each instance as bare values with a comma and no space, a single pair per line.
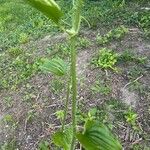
113,76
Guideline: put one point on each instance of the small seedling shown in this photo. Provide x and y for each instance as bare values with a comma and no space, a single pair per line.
14,51
23,38
92,114
131,118
60,114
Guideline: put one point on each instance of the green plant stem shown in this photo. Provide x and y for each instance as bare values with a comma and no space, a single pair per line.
76,20
66,105
74,89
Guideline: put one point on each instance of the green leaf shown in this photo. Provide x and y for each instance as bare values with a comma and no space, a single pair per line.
55,66
63,139
48,7
97,137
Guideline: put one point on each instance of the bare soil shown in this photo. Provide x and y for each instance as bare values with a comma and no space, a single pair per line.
36,96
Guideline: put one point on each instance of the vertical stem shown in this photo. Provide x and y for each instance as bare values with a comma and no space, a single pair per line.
76,20
74,89
66,105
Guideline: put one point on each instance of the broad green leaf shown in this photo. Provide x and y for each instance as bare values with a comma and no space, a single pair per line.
56,66
97,137
63,139
48,7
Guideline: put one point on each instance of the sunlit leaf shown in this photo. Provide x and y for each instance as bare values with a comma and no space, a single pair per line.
97,137
48,7
56,66
63,139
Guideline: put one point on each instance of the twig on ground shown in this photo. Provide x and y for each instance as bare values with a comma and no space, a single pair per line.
121,125
136,142
37,97
127,134
106,73
133,81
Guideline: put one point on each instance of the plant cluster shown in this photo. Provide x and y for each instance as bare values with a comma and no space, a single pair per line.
145,23
106,59
142,20
111,35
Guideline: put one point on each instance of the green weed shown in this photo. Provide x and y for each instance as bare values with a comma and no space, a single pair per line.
145,24
100,88
112,35
8,102
9,121
83,42
23,38
142,20
31,114
131,118
129,56
15,51
106,59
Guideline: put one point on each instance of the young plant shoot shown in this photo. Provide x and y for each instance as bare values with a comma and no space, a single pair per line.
95,135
